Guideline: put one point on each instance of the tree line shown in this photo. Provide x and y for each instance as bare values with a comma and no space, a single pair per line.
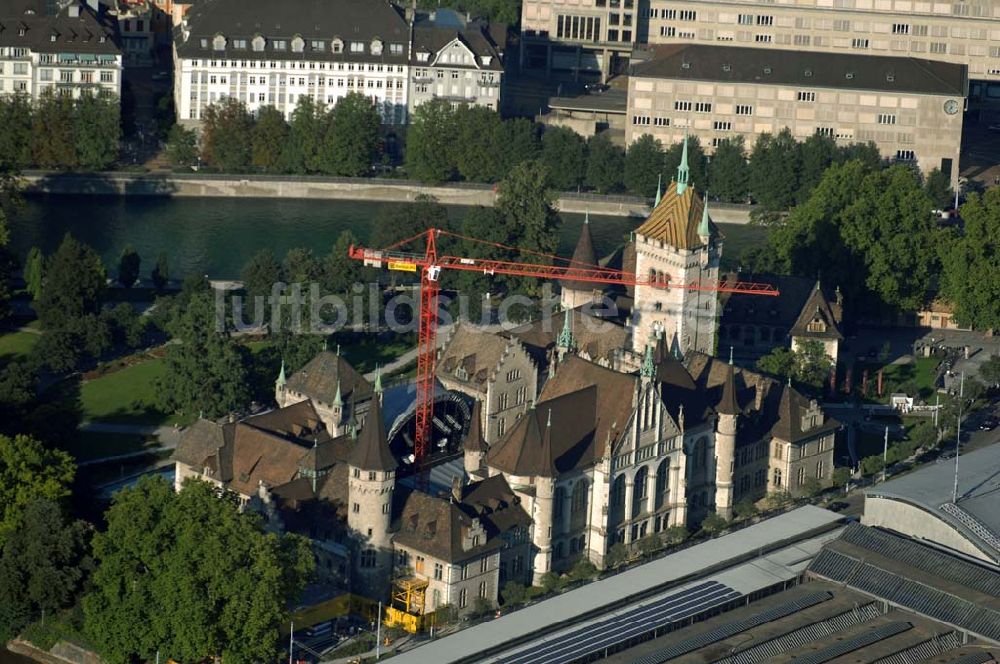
342,140
59,132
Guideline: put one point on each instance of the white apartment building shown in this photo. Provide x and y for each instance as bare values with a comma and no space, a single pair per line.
910,108
456,60
68,47
273,54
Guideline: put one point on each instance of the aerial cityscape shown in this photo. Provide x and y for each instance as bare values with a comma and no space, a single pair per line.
501,331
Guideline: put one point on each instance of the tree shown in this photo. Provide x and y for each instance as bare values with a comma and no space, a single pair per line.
260,274
97,131
191,577
52,139
816,154
777,499
728,173
649,544
697,162
8,264
481,607
890,227
808,364
479,150
42,566
519,138
525,197
714,523
353,136
583,570
841,476
937,185
29,471
513,593
34,272
339,272
182,147
643,161
617,555
309,126
551,582
128,266
74,284
745,509
161,272
605,164
779,363
774,167
16,138
872,464
970,275
563,153
812,486
269,140
674,535
430,138
989,370
226,125
206,372
866,153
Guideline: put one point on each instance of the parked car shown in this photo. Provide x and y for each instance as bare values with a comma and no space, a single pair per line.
837,506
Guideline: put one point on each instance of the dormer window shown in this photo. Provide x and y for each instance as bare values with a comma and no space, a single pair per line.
767,69
280,45
816,325
219,43
461,374
204,42
257,44
422,56
337,45
240,44
376,46
396,49
298,45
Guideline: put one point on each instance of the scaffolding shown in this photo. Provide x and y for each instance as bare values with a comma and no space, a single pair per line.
406,606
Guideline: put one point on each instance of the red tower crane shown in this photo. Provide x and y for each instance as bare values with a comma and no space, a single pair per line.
430,264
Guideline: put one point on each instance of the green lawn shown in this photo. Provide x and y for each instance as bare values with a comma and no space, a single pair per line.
92,445
15,345
364,352
918,374
126,396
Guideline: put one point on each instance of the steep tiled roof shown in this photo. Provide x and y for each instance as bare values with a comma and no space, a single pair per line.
789,425
600,339
727,404
200,441
471,355
473,441
675,220
493,501
817,306
438,526
371,449
434,38
319,378
583,255
57,31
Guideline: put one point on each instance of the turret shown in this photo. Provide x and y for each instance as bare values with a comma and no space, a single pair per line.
683,173
474,445
371,481
545,489
577,293
279,386
725,443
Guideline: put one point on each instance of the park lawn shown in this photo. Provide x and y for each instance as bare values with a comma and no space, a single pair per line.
17,345
127,396
921,373
94,444
365,352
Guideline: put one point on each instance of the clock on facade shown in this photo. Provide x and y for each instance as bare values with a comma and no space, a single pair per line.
951,107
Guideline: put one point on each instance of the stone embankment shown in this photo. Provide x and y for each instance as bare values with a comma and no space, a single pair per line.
331,188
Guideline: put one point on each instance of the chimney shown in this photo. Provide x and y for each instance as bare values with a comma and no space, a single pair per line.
456,489
73,10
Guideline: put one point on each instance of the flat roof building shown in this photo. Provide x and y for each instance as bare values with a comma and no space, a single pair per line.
920,505
910,108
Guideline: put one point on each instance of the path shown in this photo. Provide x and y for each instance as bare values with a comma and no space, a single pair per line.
167,436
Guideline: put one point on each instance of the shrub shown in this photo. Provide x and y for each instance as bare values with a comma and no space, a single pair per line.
617,555
583,570
674,535
513,593
714,523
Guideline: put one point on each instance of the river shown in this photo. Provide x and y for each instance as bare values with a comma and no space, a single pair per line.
216,236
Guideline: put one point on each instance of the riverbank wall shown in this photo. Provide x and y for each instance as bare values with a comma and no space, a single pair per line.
330,188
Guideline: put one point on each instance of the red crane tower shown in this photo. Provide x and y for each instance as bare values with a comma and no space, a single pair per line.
430,264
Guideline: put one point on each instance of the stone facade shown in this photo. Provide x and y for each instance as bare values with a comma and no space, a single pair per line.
720,96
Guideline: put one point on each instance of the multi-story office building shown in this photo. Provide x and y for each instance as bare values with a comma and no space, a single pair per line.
456,60
67,47
592,34
273,54
910,108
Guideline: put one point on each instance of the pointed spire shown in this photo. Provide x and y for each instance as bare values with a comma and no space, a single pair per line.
378,380
583,255
659,183
548,422
546,461
566,342
281,376
338,401
648,365
338,350
586,217
682,168
371,451
728,404
474,438
704,232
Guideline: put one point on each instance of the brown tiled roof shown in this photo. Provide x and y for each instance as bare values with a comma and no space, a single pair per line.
583,255
598,338
493,501
473,441
298,421
437,527
371,449
431,38
475,351
199,442
615,391
790,410
727,404
319,378
817,306
675,220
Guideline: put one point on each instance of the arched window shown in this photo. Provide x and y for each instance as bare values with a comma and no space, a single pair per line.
579,504
662,482
640,489
618,492
777,478
337,45
257,44
557,502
